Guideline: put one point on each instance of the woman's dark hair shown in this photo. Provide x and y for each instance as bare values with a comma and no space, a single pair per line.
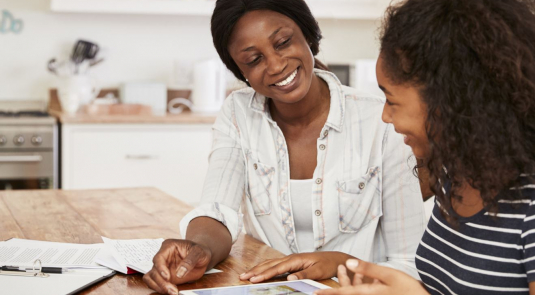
474,64
228,12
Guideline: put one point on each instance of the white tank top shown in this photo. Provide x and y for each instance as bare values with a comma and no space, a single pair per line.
301,198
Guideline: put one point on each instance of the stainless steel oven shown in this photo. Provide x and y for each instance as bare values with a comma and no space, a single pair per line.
28,150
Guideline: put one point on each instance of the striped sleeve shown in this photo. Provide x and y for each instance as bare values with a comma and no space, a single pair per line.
225,179
528,236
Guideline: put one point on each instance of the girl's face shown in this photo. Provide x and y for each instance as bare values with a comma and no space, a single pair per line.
406,111
272,53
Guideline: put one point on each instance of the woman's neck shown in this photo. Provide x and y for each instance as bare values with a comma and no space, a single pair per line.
307,110
471,202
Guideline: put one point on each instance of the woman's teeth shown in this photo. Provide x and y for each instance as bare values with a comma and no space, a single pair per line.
288,80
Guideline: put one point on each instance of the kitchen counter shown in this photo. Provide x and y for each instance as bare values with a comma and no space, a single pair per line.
82,117
184,118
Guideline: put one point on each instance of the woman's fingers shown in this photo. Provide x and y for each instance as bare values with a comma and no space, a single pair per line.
158,284
160,261
313,272
260,268
195,256
343,278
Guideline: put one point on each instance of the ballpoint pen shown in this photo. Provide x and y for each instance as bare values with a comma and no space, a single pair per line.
56,270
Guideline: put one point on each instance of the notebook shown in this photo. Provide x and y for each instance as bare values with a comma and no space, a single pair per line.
56,284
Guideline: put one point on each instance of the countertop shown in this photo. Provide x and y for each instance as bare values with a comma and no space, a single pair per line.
83,117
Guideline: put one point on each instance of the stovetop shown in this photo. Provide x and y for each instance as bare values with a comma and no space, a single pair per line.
25,113
17,114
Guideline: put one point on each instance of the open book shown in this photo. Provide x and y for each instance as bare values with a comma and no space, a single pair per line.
131,256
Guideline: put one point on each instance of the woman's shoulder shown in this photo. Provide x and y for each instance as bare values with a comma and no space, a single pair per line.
357,96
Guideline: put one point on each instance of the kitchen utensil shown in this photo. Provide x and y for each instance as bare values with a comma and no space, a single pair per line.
209,86
83,50
52,66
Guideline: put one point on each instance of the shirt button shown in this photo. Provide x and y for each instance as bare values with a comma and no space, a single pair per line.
255,166
318,180
318,212
362,185
326,132
322,147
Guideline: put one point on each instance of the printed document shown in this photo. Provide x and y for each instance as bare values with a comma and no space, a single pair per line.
21,252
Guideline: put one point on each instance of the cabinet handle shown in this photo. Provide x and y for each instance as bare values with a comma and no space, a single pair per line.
21,159
141,157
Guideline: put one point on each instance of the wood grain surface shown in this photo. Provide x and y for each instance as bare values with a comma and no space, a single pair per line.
84,216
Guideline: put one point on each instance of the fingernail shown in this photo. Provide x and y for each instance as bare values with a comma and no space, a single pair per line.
254,279
164,275
352,263
172,291
181,272
243,274
292,278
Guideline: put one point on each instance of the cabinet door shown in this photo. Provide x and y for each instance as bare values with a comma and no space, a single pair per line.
173,158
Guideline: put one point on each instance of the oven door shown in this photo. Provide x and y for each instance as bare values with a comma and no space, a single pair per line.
26,170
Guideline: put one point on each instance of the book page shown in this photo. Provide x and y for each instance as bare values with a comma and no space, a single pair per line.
21,252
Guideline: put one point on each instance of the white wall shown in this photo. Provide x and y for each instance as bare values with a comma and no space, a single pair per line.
139,47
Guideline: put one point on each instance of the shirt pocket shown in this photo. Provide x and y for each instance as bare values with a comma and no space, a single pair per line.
259,182
359,201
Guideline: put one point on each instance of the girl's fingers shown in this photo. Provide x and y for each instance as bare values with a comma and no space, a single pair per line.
343,278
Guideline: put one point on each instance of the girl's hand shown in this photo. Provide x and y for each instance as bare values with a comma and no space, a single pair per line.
386,281
314,266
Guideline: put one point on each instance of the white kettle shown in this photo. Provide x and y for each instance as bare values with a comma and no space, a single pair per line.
209,89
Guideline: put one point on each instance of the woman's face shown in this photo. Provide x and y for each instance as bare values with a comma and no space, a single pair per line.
406,111
272,53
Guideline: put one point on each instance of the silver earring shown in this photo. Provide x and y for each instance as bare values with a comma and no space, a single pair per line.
246,79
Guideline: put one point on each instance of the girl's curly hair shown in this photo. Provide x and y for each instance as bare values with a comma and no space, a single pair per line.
474,63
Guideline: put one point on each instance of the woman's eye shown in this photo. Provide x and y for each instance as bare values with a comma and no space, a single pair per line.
388,102
255,61
284,43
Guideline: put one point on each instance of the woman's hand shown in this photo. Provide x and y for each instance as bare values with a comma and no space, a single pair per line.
314,266
386,281
177,262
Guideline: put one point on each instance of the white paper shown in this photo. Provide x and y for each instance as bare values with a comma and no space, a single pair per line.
20,252
134,254
56,284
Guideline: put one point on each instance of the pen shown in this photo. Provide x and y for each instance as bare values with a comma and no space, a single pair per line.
56,270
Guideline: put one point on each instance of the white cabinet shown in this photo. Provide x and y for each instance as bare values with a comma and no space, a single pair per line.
322,9
171,157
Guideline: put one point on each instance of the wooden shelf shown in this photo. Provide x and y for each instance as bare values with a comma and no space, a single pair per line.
322,9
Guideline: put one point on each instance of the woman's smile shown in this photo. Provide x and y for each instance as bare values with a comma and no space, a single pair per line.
289,82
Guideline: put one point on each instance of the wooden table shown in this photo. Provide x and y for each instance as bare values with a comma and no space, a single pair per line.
86,215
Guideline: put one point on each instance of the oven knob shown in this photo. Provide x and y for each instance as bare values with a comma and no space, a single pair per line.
18,140
37,140
3,140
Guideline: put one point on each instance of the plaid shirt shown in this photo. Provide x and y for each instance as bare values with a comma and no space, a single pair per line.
366,201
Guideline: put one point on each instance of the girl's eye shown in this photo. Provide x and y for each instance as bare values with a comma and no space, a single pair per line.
388,102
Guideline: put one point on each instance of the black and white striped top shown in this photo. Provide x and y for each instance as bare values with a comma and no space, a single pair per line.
485,254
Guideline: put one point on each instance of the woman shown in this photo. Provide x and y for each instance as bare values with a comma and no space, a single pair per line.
459,77
306,161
